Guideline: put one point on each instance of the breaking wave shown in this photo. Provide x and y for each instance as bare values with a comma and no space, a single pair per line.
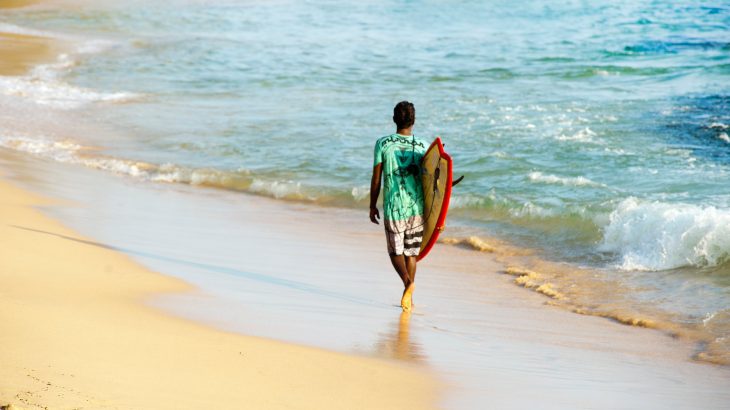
660,236
70,152
568,181
44,85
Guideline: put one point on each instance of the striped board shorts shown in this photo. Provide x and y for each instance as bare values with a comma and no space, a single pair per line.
404,237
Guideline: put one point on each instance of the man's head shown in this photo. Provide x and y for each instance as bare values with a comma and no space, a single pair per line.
404,114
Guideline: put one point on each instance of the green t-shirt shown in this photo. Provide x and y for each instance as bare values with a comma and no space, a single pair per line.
401,156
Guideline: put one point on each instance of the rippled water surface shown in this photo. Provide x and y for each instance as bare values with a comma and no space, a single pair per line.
593,132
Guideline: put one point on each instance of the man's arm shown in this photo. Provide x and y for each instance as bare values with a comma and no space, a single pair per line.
375,192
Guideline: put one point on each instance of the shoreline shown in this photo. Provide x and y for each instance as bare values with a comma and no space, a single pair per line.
491,340
19,53
571,288
484,336
75,333
11,4
546,277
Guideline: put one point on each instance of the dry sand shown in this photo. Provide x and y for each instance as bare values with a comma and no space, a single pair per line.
18,52
75,334
9,4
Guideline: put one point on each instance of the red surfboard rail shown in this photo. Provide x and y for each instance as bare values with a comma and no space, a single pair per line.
441,221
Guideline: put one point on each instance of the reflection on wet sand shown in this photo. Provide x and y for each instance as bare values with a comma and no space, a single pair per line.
396,343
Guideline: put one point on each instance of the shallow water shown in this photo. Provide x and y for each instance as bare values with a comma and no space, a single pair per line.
485,339
593,135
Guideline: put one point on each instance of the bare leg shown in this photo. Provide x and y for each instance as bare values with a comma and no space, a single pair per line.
399,264
401,267
411,267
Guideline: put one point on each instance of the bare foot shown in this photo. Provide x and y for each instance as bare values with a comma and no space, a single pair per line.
406,301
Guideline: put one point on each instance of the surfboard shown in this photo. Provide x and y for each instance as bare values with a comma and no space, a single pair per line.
436,177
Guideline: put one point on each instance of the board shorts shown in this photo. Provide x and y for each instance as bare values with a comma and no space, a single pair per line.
405,236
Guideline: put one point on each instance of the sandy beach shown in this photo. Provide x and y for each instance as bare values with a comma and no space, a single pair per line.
19,52
133,283
474,329
9,4
75,334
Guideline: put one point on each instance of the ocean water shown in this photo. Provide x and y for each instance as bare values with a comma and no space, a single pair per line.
593,135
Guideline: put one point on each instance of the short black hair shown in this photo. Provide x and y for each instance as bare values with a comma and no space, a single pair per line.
404,114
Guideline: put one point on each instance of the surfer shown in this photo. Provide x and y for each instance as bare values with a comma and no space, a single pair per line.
398,161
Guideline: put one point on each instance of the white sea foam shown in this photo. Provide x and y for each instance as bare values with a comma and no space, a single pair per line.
61,151
617,151
583,135
359,193
70,152
528,209
58,94
658,235
44,85
11,28
278,189
556,180
723,136
95,46
466,201
719,125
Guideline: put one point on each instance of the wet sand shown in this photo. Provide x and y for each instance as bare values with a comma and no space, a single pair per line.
75,331
75,334
19,53
84,323
9,4
490,340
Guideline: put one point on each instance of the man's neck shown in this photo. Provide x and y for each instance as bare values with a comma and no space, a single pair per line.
404,131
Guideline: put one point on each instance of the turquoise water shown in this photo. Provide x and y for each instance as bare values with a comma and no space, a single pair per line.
596,134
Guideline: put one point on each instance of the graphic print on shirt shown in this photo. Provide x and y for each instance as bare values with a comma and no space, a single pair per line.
403,193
